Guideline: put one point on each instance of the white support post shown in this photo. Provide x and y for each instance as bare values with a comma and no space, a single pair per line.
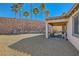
46,30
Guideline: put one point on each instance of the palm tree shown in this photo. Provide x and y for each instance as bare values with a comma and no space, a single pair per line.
26,13
31,10
15,8
31,15
36,11
47,13
20,8
43,7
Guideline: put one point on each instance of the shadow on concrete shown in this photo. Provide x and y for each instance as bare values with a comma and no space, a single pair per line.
40,46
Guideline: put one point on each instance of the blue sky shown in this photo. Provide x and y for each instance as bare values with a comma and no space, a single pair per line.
56,9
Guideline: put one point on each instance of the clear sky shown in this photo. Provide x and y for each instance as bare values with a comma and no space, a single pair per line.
56,9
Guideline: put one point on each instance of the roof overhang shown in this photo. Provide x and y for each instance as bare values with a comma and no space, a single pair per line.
57,17
73,9
59,22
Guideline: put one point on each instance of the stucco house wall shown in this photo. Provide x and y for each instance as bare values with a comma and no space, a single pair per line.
74,40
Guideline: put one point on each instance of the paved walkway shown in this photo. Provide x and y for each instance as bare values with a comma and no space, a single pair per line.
40,46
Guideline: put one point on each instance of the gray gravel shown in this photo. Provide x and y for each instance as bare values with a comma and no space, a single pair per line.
40,46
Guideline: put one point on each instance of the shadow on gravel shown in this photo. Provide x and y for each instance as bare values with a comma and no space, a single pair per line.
40,46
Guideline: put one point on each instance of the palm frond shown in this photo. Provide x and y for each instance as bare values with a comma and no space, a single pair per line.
35,10
26,13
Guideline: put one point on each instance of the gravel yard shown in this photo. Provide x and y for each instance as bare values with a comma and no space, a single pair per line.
6,40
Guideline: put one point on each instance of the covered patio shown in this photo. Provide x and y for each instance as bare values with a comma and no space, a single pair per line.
56,21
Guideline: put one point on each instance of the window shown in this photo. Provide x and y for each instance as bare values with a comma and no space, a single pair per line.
76,25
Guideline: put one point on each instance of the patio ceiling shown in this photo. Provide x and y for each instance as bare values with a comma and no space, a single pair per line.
58,23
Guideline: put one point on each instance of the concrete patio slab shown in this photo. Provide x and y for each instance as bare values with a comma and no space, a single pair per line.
40,46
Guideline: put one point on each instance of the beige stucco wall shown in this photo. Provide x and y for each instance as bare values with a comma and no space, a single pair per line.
57,28
74,40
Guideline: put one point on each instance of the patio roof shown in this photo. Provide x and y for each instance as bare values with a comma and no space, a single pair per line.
57,17
70,13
